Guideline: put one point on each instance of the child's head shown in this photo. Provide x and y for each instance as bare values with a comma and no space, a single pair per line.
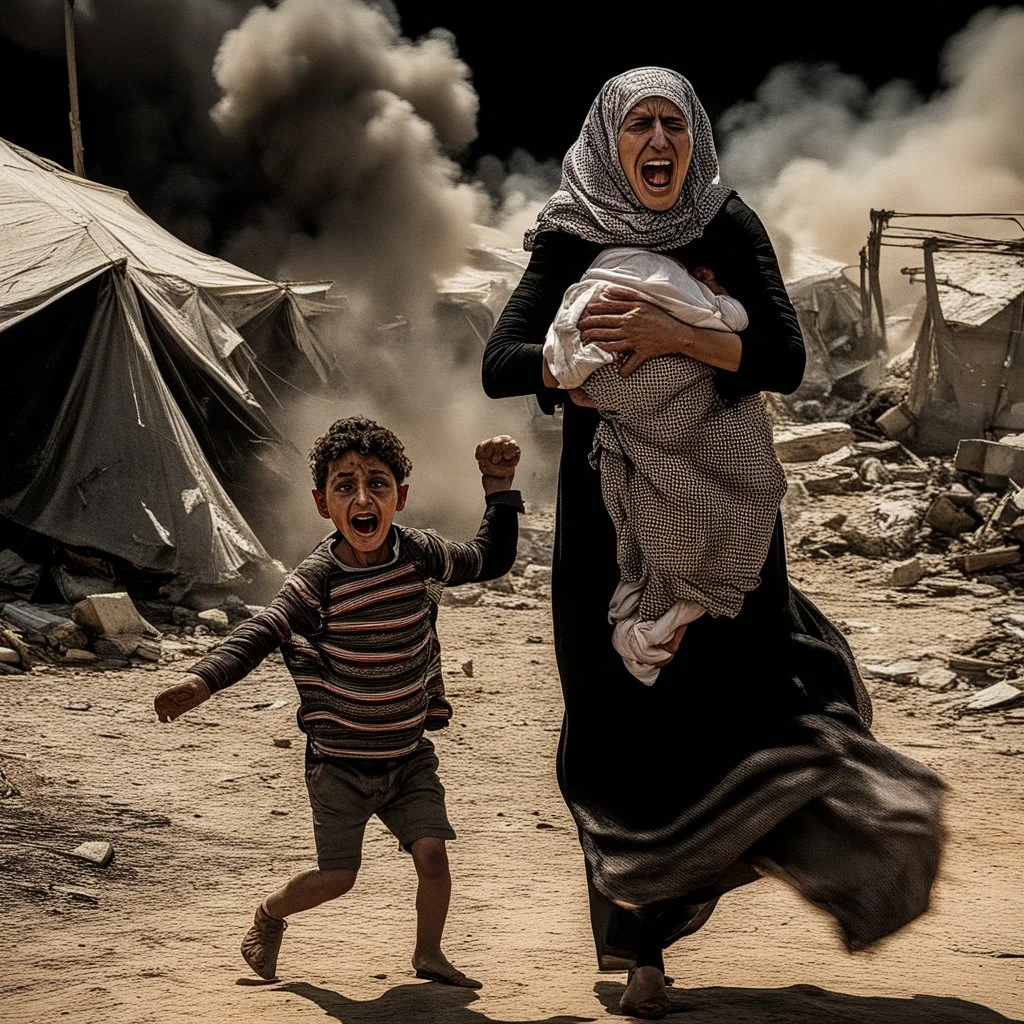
359,470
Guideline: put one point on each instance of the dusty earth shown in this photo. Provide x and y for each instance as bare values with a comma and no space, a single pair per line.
207,814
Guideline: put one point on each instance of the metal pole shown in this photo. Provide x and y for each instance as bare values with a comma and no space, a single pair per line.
76,124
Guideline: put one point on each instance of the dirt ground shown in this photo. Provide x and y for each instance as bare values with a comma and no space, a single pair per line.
208,814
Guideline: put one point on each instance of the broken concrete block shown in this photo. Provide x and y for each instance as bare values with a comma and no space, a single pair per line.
810,441
964,665
112,615
999,695
937,679
946,517
9,656
887,531
38,624
907,573
905,671
79,656
909,474
960,496
873,471
848,455
898,422
98,853
216,619
827,481
978,561
994,461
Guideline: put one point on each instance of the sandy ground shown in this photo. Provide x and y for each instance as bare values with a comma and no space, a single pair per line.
207,815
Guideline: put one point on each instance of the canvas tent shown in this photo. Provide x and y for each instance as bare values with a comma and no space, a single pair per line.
967,377
131,414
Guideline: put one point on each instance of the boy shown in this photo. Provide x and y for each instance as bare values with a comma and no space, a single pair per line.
355,622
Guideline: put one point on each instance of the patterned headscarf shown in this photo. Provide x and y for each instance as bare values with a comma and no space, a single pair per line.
595,201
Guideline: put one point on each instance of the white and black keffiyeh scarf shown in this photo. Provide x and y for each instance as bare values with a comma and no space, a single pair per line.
595,201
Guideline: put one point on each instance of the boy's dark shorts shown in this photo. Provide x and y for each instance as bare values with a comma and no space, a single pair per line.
405,794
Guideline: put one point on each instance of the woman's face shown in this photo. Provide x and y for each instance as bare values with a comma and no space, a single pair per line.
654,150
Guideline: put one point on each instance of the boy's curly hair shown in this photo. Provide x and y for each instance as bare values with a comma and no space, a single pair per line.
357,434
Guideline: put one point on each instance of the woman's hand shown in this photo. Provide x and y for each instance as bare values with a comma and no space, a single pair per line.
622,322
183,696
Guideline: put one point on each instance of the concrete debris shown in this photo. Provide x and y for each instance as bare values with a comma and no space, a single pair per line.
467,668
886,531
8,656
112,615
905,672
79,656
990,559
42,626
937,678
999,695
906,574
948,517
964,665
216,619
898,422
808,442
995,462
98,853
282,741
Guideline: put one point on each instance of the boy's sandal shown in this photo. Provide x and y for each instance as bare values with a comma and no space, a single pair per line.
456,978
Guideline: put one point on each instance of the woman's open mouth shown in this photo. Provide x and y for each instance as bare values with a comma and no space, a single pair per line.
657,174
365,523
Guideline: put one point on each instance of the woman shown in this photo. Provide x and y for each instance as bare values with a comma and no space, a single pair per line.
751,752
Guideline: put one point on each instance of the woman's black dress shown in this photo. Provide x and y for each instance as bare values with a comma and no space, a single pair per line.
670,785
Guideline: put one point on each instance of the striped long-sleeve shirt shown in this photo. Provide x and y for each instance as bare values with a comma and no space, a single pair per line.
360,643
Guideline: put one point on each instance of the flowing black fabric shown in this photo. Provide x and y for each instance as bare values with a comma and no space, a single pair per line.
753,746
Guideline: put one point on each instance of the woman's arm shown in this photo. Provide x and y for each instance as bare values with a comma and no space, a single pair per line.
513,361
773,355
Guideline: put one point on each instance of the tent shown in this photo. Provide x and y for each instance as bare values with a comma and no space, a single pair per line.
842,359
967,377
131,414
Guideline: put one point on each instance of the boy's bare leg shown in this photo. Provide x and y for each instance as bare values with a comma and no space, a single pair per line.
262,941
432,898
309,889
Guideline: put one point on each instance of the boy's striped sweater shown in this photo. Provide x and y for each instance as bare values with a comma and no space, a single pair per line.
360,643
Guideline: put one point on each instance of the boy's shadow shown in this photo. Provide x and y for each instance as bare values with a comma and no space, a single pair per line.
415,1003
807,1004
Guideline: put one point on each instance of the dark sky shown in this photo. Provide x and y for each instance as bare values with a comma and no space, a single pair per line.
536,66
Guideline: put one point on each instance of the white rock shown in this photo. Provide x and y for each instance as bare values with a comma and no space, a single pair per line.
9,657
215,618
96,852
1002,694
112,615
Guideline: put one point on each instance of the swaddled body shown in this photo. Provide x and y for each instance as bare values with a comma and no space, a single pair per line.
690,480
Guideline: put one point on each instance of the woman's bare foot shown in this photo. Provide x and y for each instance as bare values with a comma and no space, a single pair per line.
435,967
645,994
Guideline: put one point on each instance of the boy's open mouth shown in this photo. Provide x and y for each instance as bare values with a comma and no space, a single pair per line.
657,174
365,523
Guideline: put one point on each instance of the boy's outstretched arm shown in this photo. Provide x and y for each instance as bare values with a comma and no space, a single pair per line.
296,607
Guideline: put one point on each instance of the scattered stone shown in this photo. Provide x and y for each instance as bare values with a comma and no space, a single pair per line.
948,518
872,471
993,558
809,442
467,668
532,639
888,530
7,788
278,813
84,706
817,480
964,665
112,615
937,679
216,619
904,672
9,656
544,825
999,695
908,573
125,646
182,616
463,596
283,742
80,656
908,474
98,852
897,422
995,462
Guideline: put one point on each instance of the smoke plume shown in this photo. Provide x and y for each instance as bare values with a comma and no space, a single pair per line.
817,149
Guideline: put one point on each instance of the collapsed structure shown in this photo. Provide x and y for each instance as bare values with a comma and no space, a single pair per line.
134,399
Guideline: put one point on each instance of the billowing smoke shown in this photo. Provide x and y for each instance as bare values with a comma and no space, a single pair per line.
817,149
352,123
517,190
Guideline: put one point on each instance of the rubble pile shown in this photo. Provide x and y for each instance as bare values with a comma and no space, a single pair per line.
940,520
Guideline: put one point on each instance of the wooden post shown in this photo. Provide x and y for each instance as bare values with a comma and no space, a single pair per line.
76,124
